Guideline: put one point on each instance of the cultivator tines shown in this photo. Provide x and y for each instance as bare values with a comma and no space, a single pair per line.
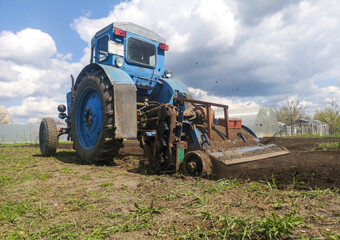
178,136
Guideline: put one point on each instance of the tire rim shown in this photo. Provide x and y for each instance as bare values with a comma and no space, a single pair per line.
42,137
193,164
88,118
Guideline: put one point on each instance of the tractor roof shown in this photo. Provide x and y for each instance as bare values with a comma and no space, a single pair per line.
135,29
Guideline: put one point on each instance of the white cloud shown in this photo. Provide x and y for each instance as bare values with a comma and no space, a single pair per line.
28,46
220,49
33,70
33,109
185,24
233,105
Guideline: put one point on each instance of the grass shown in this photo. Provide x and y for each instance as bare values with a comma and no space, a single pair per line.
47,198
330,144
244,227
306,135
106,184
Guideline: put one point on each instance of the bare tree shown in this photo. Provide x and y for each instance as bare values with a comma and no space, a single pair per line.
291,110
4,116
330,114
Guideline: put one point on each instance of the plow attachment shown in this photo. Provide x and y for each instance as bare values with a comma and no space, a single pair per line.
183,137
242,147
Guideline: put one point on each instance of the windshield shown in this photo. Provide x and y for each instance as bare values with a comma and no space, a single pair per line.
141,52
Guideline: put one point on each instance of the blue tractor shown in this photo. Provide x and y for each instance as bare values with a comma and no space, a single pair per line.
126,93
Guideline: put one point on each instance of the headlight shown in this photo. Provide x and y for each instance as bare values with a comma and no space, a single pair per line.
168,73
119,62
61,108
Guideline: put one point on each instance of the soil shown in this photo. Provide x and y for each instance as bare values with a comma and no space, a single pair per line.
86,201
307,165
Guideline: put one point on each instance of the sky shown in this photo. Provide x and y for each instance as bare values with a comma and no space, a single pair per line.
236,52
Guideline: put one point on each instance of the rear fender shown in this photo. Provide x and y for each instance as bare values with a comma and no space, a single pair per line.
116,75
124,98
169,88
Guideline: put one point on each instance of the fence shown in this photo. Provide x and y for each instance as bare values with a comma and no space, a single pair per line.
29,133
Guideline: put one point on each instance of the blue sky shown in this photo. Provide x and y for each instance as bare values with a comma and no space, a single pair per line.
54,18
236,52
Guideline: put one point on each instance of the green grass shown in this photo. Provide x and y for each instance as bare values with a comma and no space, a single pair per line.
70,201
330,144
306,135
222,185
244,227
107,184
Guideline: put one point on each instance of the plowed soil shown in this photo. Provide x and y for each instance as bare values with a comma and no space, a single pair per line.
308,164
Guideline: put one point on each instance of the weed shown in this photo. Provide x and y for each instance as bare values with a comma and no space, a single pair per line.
113,215
222,185
68,170
85,177
307,135
318,217
295,183
270,185
78,204
333,236
277,205
198,201
5,179
329,144
171,196
179,183
253,187
107,184
144,210
316,193
228,227
43,176
276,226
70,201
11,211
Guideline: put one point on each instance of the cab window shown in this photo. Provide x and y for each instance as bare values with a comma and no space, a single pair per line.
102,48
141,53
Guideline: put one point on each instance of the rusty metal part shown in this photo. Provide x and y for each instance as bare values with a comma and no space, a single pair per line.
243,147
160,119
197,164
209,113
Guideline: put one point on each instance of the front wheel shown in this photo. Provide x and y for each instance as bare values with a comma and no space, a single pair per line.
92,123
48,137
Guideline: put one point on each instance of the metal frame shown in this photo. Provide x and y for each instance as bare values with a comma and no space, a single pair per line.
208,107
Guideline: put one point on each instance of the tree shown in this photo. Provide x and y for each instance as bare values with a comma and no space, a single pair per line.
4,116
330,114
291,110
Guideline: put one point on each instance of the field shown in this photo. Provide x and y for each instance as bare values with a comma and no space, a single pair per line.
295,196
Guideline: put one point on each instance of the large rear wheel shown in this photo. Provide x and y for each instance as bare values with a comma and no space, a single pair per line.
92,123
48,137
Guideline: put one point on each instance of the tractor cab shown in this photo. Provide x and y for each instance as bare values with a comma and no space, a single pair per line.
136,50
